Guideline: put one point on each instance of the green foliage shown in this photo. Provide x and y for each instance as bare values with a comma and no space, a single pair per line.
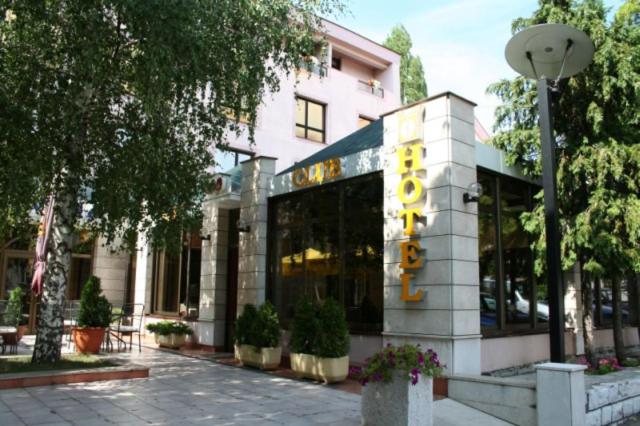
597,126
13,312
320,329
304,328
413,85
165,328
258,327
128,97
95,309
409,359
332,337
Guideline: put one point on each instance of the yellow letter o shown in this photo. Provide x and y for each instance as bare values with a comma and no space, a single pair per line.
417,190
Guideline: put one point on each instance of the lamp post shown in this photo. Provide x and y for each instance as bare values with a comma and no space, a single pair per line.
549,53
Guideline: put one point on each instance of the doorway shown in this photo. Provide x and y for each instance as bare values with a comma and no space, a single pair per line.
232,280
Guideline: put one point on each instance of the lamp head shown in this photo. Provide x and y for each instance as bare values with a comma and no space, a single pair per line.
551,51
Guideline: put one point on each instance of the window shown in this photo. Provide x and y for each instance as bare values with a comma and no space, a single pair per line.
310,123
507,282
336,63
227,158
328,242
176,279
364,121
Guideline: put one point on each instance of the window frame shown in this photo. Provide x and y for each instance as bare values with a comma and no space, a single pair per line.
306,126
501,328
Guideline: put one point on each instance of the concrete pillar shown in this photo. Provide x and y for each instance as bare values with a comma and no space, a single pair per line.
210,329
560,394
143,270
252,246
447,317
573,307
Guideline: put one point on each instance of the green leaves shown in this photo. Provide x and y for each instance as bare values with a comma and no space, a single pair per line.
258,327
128,98
95,309
596,116
413,86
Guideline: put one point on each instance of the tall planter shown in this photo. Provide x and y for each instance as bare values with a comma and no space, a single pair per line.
398,403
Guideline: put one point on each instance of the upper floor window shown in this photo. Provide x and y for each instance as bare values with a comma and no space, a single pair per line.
310,120
364,121
336,63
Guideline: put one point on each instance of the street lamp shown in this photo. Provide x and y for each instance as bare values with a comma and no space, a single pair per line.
549,53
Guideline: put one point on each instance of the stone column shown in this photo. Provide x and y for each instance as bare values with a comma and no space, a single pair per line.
210,328
252,245
446,316
143,270
111,265
560,394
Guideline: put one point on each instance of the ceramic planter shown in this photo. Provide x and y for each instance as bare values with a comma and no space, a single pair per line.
172,341
88,339
328,370
398,403
263,358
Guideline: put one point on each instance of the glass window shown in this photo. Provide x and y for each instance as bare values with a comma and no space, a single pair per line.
327,242
510,298
336,63
227,159
310,122
177,279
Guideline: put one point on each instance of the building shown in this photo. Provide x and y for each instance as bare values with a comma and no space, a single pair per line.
347,195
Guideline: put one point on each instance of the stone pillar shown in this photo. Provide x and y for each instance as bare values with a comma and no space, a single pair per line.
573,308
141,295
210,328
252,246
560,394
447,315
111,266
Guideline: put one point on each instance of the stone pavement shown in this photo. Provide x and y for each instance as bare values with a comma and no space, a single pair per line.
188,391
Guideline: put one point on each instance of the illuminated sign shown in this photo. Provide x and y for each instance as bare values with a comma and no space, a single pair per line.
318,173
410,192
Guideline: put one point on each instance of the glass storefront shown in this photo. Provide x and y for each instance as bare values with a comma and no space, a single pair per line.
328,242
511,298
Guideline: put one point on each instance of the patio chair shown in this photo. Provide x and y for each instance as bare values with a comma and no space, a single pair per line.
8,332
129,323
71,309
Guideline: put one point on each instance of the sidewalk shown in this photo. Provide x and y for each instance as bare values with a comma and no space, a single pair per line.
188,391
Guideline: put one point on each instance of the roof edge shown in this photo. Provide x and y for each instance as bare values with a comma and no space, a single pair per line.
447,94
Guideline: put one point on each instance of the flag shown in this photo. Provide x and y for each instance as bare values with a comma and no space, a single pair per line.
42,244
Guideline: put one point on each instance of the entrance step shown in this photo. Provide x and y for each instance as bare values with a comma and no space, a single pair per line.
447,412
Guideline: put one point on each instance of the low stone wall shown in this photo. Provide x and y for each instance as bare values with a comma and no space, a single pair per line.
611,401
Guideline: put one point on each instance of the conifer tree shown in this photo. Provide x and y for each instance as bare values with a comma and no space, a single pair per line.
413,86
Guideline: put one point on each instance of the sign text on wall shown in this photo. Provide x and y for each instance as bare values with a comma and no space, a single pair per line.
411,194
318,173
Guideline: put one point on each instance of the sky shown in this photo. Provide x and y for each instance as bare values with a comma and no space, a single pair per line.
461,42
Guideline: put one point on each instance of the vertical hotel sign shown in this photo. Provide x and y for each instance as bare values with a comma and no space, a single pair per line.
410,192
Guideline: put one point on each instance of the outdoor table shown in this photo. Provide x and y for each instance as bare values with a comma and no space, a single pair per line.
8,331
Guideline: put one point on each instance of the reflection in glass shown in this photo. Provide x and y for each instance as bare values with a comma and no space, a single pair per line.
327,242
488,252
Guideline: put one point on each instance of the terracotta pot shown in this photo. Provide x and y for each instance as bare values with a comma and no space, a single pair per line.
88,340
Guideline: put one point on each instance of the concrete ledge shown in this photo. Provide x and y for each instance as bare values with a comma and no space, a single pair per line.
61,377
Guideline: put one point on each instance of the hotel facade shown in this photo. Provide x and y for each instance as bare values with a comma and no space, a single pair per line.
346,194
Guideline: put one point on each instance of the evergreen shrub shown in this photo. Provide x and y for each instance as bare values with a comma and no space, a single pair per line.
259,327
95,309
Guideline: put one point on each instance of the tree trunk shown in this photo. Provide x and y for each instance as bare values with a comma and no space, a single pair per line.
51,312
618,338
587,317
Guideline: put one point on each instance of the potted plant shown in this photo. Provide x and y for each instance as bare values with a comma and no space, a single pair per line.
320,342
170,334
13,316
94,317
257,337
398,386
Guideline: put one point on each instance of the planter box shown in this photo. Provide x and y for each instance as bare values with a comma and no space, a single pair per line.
398,403
263,358
328,370
172,341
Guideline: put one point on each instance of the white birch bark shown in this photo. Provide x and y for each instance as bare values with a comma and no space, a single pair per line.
50,323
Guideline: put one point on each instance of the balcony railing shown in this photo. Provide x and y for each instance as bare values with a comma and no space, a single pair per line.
319,69
371,87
